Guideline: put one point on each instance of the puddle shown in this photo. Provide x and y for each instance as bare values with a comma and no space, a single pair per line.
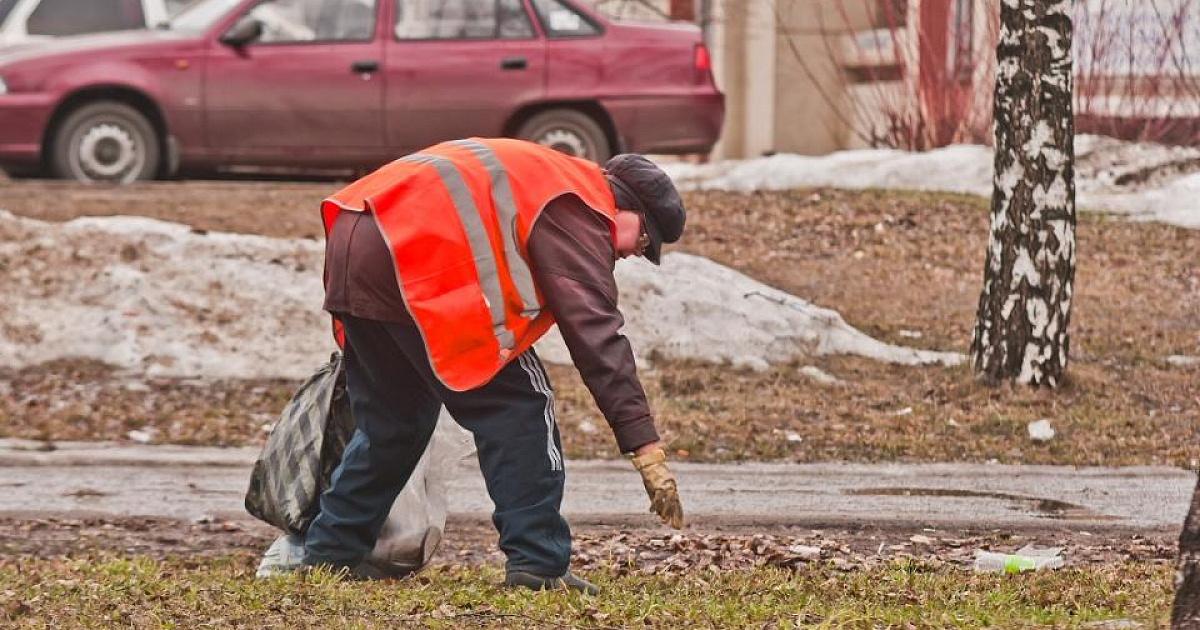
1046,508
198,490
84,493
41,447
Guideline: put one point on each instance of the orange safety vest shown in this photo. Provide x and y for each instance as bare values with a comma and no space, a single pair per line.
457,218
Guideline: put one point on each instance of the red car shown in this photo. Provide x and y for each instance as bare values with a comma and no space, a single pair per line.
351,84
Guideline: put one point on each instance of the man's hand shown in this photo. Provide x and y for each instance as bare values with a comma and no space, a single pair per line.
660,486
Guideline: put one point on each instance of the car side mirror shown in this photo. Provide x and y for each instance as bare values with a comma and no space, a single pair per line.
243,32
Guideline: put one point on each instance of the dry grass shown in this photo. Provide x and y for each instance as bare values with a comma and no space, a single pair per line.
893,261
102,591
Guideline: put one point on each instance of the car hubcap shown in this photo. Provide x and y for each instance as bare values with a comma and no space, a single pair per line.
565,141
109,152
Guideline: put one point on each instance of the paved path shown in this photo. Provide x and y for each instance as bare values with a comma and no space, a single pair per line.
190,482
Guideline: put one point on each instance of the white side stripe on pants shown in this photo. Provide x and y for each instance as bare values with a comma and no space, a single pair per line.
537,377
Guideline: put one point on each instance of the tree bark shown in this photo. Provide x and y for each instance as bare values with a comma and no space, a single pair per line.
1025,305
1185,615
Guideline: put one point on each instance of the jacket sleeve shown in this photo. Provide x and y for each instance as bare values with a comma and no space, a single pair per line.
572,259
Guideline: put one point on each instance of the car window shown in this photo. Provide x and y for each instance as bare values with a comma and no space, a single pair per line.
462,19
71,17
6,7
203,14
315,20
561,20
175,7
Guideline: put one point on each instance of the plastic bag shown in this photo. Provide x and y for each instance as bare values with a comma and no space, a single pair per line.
414,527
305,447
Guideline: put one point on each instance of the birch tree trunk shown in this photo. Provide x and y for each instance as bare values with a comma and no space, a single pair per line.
1028,278
1186,613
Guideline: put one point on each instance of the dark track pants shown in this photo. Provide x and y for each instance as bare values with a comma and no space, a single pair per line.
395,398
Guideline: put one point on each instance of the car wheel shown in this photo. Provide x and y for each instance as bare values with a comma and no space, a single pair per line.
106,142
569,131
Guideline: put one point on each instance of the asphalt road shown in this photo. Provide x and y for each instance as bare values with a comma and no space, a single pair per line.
193,482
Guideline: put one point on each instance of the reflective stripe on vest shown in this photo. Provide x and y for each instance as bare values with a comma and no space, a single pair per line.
481,247
506,208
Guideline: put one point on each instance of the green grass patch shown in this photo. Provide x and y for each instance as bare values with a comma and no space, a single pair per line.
114,592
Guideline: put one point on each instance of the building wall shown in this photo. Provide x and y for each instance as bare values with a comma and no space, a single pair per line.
782,65
806,113
778,65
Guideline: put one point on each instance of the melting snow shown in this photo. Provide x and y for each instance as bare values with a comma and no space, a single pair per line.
1145,181
1040,430
961,168
692,307
1180,360
156,298
820,376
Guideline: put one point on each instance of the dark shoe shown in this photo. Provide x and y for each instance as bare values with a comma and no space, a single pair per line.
543,583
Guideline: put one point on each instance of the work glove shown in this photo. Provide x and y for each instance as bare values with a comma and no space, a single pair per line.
660,487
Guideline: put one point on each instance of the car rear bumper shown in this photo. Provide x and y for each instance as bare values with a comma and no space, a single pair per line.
683,123
22,122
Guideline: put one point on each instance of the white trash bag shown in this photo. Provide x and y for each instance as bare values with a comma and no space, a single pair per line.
414,528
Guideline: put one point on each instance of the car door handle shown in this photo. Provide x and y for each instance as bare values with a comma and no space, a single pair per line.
514,63
364,67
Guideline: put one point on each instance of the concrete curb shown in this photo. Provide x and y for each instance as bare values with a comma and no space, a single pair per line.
15,452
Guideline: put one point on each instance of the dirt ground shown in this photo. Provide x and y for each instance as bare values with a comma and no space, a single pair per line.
904,267
470,542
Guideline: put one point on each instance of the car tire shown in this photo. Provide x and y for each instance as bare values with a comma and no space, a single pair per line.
570,131
105,141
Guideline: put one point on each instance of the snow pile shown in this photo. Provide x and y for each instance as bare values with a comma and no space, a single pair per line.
961,168
1147,181
1175,203
157,298
692,307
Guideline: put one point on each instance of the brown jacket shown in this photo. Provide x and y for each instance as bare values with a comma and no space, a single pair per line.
572,258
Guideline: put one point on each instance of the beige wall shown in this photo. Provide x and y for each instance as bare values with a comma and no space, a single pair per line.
805,107
779,63
784,92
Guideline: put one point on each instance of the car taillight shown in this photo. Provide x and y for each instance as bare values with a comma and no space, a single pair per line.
701,59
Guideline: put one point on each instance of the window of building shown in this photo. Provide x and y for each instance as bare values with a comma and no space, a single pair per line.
892,14
560,20
962,50
71,17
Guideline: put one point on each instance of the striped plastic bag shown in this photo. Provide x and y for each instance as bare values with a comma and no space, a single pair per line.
305,446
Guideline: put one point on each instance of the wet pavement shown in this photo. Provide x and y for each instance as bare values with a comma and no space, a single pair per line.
196,482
